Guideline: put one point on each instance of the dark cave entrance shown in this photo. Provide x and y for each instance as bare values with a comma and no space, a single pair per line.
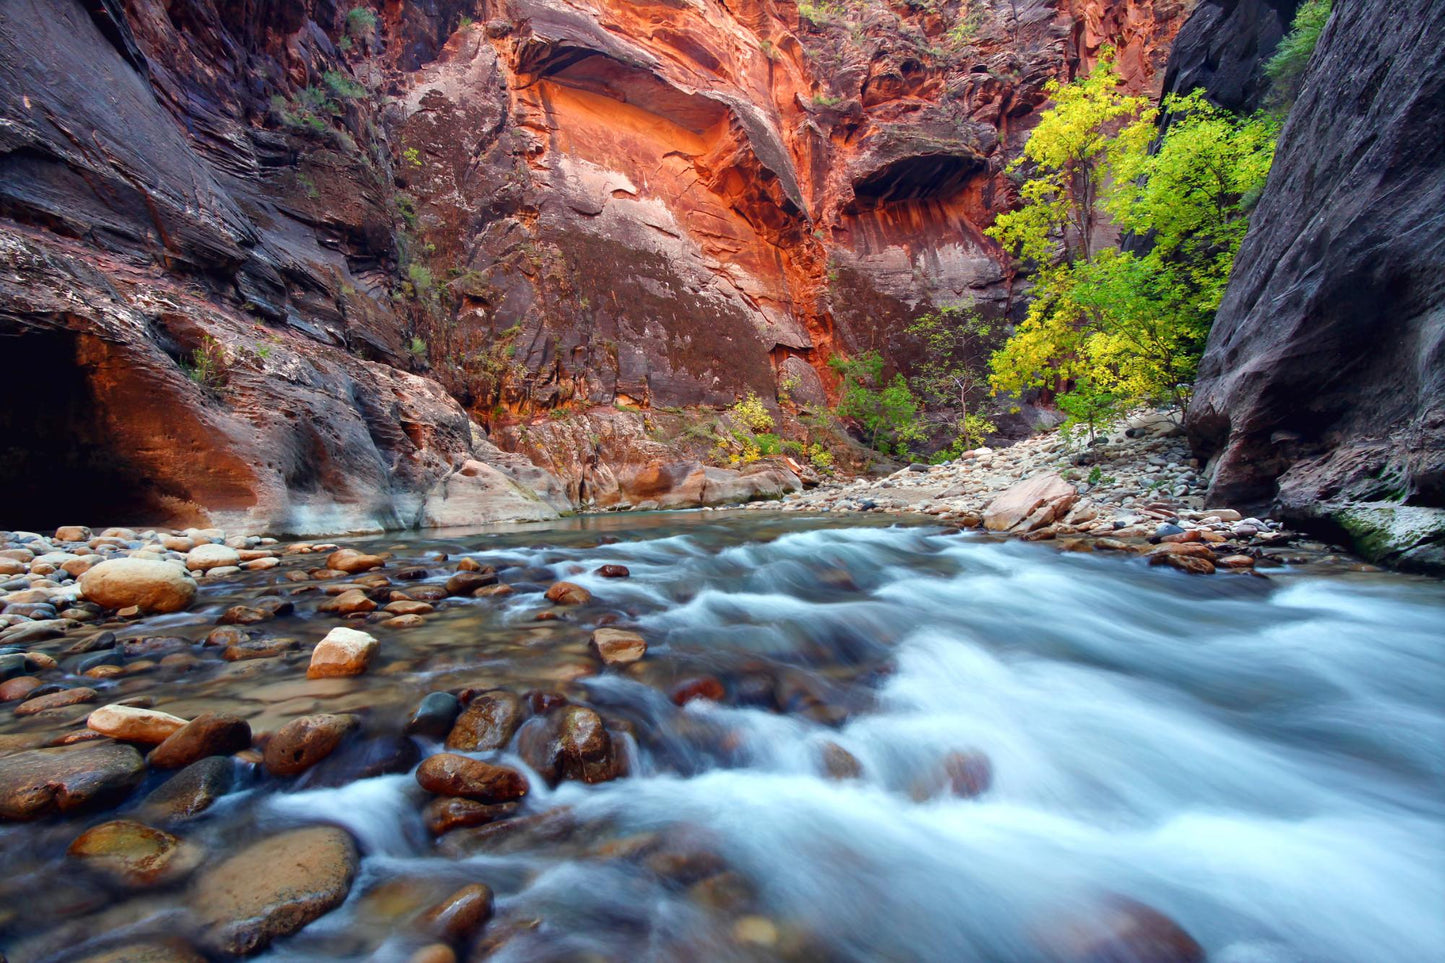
59,464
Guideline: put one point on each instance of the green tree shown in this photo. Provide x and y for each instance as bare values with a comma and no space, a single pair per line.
952,370
1068,157
885,409
1131,324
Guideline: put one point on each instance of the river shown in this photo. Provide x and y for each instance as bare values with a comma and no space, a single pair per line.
1260,760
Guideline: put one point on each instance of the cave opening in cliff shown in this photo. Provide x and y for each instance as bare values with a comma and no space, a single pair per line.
59,464
915,178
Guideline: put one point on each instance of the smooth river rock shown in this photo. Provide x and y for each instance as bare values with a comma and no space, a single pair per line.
449,774
152,586
489,722
134,853
208,734
342,652
132,724
302,743
618,646
274,888
44,781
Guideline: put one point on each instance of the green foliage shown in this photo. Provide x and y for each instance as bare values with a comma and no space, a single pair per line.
822,12
826,100
1069,157
1089,408
342,85
970,19
417,347
412,156
1132,325
360,22
1286,68
821,457
885,410
210,366
952,373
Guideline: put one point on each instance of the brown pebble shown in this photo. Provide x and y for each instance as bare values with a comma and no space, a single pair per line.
449,774
12,690
462,914
568,593
56,700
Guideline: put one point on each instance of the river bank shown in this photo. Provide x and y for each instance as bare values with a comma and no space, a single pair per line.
1136,488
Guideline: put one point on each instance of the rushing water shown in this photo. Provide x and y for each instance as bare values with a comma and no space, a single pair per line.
1261,760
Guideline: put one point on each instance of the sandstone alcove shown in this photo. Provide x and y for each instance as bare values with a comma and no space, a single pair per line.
58,459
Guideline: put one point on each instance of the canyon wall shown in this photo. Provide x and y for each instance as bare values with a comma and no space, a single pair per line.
1322,389
282,266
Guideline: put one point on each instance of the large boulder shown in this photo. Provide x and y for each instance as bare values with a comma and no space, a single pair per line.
1032,503
273,888
45,781
119,583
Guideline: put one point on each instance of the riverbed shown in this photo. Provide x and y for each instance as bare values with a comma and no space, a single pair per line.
911,744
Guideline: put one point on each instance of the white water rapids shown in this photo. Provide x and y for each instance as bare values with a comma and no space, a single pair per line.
1260,761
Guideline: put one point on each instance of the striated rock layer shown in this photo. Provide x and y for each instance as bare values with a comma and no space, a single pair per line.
267,266
1323,385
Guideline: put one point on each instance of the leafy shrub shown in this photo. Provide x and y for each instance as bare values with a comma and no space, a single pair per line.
360,22
751,413
210,365
342,85
885,410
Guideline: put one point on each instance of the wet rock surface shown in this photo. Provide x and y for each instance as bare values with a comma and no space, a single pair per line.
44,781
273,888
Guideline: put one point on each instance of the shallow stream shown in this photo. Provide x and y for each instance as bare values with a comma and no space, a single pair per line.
1260,760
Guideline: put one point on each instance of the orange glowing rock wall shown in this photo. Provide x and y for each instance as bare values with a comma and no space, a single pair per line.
663,202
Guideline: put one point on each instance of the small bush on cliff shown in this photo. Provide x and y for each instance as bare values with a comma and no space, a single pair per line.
210,365
360,22
885,410
1130,325
1286,68
751,413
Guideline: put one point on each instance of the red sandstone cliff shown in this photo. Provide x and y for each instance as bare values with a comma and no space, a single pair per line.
540,205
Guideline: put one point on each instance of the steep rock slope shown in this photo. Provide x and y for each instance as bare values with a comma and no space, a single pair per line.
1323,385
134,246
249,241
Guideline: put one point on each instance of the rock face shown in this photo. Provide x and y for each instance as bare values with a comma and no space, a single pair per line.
266,301
1322,388
1223,47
